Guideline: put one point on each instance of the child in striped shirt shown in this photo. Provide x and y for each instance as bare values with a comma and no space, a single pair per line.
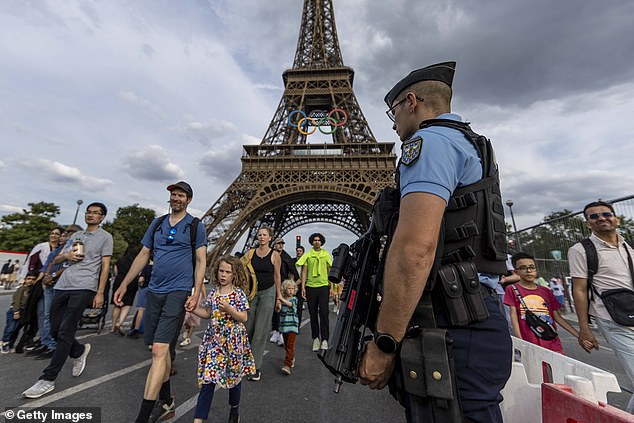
289,323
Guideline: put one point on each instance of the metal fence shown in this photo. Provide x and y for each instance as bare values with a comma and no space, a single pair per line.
549,241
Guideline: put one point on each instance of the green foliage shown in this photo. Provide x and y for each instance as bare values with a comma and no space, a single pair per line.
128,227
22,231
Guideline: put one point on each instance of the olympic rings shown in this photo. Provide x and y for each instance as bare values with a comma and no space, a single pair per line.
327,120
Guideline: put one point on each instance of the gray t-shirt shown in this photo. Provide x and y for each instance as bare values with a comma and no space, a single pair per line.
84,274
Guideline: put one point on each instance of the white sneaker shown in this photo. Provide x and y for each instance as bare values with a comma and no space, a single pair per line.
79,364
315,344
185,342
40,388
324,345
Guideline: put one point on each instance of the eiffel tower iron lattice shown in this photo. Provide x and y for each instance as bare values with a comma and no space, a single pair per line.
294,177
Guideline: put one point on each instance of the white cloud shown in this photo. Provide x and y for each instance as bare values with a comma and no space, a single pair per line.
9,208
61,173
151,163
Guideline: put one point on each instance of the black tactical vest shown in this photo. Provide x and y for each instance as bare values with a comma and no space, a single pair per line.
473,225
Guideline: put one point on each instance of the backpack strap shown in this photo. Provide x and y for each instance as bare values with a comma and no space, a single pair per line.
156,227
193,231
592,260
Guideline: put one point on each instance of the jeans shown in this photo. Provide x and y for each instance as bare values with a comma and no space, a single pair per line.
317,299
259,322
10,326
66,311
44,317
621,339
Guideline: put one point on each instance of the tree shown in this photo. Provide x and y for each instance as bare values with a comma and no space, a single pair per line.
128,227
21,231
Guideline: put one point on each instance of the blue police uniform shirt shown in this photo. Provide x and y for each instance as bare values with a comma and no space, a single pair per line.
173,269
447,160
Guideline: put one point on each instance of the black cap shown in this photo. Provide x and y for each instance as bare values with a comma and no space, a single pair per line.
182,185
442,72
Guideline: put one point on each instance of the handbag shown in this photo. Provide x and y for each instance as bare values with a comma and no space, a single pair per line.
537,324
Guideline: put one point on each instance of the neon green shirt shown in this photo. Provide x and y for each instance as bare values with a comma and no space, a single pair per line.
317,265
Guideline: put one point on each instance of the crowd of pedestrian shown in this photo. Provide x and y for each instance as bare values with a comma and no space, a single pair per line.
69,273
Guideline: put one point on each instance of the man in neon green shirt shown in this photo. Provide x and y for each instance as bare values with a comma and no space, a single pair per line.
316,289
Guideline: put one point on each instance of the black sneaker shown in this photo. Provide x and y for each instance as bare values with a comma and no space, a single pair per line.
234,418
46,354
255,376
35,351
163,411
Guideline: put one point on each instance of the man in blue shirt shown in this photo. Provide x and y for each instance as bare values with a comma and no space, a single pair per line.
169,293
436,161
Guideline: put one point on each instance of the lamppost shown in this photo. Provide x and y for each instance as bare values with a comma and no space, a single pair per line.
79,203
517,238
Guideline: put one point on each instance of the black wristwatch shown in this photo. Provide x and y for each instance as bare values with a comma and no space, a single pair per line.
386,343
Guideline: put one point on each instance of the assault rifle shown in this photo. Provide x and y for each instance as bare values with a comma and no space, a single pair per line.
361,268
361,265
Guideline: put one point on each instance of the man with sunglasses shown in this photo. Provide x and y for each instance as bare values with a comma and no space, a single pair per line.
614,271
448,182
169,240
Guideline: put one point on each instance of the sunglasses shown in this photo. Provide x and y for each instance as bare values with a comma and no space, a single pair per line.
170,237
595,216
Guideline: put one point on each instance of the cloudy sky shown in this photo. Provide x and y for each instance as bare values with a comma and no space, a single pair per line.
113,100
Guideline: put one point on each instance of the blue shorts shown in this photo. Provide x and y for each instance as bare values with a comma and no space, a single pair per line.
164,316
141,297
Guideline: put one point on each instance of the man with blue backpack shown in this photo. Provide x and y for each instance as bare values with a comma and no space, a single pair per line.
178,243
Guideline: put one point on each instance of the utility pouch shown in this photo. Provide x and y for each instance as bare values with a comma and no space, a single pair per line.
474,300
451,292
425,367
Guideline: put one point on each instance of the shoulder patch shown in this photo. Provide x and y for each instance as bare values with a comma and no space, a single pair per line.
411,150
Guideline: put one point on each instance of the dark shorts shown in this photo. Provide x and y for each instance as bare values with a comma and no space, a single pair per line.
164,315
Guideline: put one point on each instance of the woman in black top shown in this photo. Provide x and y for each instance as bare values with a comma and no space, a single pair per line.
266,262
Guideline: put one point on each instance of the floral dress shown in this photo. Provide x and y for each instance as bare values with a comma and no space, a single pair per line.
224,356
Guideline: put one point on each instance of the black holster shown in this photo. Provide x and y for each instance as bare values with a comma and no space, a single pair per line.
425,367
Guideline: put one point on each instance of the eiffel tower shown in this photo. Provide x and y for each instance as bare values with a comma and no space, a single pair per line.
293,177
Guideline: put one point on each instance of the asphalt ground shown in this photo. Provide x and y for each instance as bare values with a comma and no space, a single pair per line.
117,368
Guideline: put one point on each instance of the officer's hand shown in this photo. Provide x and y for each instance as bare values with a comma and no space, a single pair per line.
587,340
304,293
376,367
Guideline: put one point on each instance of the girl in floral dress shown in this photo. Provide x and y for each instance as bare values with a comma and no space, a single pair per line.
224,356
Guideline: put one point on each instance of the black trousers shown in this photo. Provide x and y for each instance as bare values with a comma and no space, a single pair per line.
66,311
318,308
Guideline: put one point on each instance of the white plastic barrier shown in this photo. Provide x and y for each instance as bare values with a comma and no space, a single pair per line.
522,393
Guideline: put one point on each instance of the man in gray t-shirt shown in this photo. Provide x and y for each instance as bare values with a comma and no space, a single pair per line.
86,259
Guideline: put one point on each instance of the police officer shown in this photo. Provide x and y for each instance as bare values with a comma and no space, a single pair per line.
437,163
